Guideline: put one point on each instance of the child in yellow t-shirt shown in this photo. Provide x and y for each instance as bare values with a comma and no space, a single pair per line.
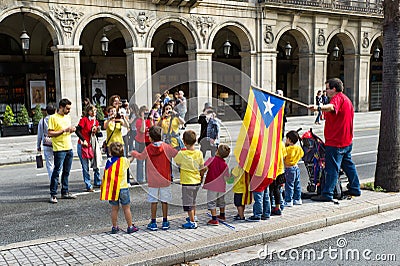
192,169
242,195
292,171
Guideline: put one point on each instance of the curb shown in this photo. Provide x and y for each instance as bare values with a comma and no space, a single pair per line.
261,234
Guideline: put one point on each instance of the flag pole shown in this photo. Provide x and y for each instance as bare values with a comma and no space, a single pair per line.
282,97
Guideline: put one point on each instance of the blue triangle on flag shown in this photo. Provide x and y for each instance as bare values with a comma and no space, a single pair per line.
268,105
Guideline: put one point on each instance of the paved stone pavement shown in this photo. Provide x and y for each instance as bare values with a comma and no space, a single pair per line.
178,245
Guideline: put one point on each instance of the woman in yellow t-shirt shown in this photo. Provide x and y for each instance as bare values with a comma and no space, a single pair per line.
113,127
170,123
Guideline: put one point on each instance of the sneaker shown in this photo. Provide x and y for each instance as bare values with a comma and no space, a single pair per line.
90,190
221,218
152,226
264,217
238,218
253,219
68,196
165,225
195,219
189,225
213,222
297,202
276,211
132,229
53,199
288,204
114,230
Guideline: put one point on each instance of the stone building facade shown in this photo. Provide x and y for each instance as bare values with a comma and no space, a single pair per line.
332,38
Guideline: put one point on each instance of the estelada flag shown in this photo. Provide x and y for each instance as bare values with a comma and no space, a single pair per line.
110,185
258,148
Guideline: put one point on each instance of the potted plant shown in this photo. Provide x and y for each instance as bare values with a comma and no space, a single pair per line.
11,128
37,116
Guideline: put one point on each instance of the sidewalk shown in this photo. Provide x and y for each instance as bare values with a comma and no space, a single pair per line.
178,245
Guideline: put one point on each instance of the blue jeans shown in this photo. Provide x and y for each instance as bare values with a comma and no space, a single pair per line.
334,159
262,204
85,170
318,117
292,185
140,175
49,157
62,160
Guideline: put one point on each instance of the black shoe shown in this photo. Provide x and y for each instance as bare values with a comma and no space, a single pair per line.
348,193
321,198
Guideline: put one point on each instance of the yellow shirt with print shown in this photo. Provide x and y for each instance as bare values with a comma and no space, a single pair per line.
117,135
174,129
190,162
293,156
59,122
240,181
281,163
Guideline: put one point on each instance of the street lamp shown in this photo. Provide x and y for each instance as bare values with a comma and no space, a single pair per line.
377,53
24,37
336,52
227,48
104,43
288,50
170,46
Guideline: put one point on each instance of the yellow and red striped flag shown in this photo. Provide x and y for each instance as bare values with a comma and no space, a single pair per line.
258,148
110,185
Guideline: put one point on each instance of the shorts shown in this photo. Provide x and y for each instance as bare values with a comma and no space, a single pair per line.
124,198
215,199
163,194
239,199
189,195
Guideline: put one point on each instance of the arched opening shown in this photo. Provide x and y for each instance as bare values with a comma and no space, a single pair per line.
227,87
104,71
375,85
26,77
162,58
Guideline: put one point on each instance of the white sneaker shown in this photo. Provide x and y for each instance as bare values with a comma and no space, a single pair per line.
297,202
53,199
288,204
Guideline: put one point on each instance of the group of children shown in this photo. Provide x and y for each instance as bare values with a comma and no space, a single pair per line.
192,170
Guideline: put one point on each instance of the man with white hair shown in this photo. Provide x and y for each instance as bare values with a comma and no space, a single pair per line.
181,107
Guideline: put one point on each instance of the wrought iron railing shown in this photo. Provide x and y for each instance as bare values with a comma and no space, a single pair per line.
364,6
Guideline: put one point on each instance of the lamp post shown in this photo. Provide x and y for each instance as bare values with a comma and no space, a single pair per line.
336,52
288,50
227,48
104,43
170,46
377,53
24,37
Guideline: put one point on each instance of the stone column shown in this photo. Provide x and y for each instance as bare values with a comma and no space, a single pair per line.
68,77
319,70
351,78
200,77
267,68
362,101
139,75
249,69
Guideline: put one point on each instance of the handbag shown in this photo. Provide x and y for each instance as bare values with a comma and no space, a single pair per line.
39,161
87,151
46,140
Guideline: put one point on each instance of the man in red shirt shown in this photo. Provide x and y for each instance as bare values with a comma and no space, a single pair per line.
338,132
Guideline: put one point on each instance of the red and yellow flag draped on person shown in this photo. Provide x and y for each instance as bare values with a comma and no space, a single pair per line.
110,185
259,143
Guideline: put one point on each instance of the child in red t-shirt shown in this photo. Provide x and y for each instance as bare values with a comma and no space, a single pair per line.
217,173
158,157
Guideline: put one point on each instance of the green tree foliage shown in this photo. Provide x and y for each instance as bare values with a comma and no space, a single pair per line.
38,115
23,117
9,118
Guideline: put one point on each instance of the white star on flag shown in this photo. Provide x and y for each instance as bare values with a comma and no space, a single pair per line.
268,106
